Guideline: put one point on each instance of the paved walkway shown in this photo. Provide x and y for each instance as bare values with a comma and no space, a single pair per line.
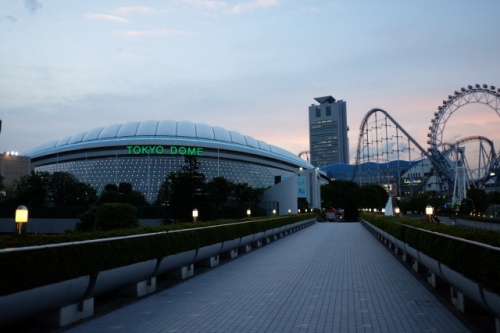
330,277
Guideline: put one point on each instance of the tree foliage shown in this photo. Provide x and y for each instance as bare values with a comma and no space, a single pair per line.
42,189
187,189
109,216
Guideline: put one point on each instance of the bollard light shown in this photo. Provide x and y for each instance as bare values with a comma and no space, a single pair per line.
429,211
396,210
21,218
274,212
249,212
195,215
289,211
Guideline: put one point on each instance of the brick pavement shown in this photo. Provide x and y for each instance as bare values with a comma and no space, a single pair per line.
330,277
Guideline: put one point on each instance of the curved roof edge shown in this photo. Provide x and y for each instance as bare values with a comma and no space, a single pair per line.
162,129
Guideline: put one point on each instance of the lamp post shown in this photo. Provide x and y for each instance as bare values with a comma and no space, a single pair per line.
21,218
274,212
397,211
429,211
289,211
195,215
249,212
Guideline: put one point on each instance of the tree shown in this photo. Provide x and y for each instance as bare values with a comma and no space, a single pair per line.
373,196
109,216
338,193
123,193
131,196
66,190
184,190
32,190
109,194
478,198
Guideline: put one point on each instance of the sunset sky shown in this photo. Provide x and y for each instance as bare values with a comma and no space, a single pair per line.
68,66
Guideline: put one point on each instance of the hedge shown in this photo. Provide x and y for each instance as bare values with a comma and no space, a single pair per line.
30,268
477,263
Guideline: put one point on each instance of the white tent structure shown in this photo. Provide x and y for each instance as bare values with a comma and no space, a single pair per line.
390,207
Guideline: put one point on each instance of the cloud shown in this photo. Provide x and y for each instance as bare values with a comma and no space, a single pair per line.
206,3
146,33
106,17
140,9
32,5
10,18
251,5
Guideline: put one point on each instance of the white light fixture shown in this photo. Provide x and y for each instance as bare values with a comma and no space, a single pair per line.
195,215
21,217
429,211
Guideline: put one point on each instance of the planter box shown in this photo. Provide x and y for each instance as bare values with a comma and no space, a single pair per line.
175,261
119,277
30,302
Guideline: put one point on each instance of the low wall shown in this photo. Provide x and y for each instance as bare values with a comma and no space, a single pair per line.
459,283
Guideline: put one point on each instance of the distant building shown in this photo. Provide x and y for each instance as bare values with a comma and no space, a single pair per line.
13,167
328,141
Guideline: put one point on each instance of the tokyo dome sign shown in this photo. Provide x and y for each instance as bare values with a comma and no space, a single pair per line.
161,150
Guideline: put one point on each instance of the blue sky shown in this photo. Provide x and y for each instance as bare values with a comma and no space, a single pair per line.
68,66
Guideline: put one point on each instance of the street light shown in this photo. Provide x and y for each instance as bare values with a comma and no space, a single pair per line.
195,215
429,211
21,217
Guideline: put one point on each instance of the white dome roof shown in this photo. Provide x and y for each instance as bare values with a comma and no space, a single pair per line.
159,129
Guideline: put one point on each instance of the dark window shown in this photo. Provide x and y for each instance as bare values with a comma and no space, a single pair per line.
318,112
328,111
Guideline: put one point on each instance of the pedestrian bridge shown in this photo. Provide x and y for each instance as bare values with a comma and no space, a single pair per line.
329,277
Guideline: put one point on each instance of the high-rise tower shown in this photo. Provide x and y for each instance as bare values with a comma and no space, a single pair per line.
328,141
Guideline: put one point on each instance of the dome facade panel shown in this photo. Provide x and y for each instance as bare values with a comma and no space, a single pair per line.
204,131
48,145
186,129
147,127
92,134
251,141
167,128
237,137
263,145
221,134
110,131
128,129
63,141
284,152
77,138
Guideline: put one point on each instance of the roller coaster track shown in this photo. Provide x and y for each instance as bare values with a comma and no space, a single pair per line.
440,153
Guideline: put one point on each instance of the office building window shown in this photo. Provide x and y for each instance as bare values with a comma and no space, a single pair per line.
318,112
328,111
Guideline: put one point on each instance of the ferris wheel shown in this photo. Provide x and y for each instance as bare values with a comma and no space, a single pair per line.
446,154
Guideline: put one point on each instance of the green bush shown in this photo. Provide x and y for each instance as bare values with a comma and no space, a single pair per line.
475,262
